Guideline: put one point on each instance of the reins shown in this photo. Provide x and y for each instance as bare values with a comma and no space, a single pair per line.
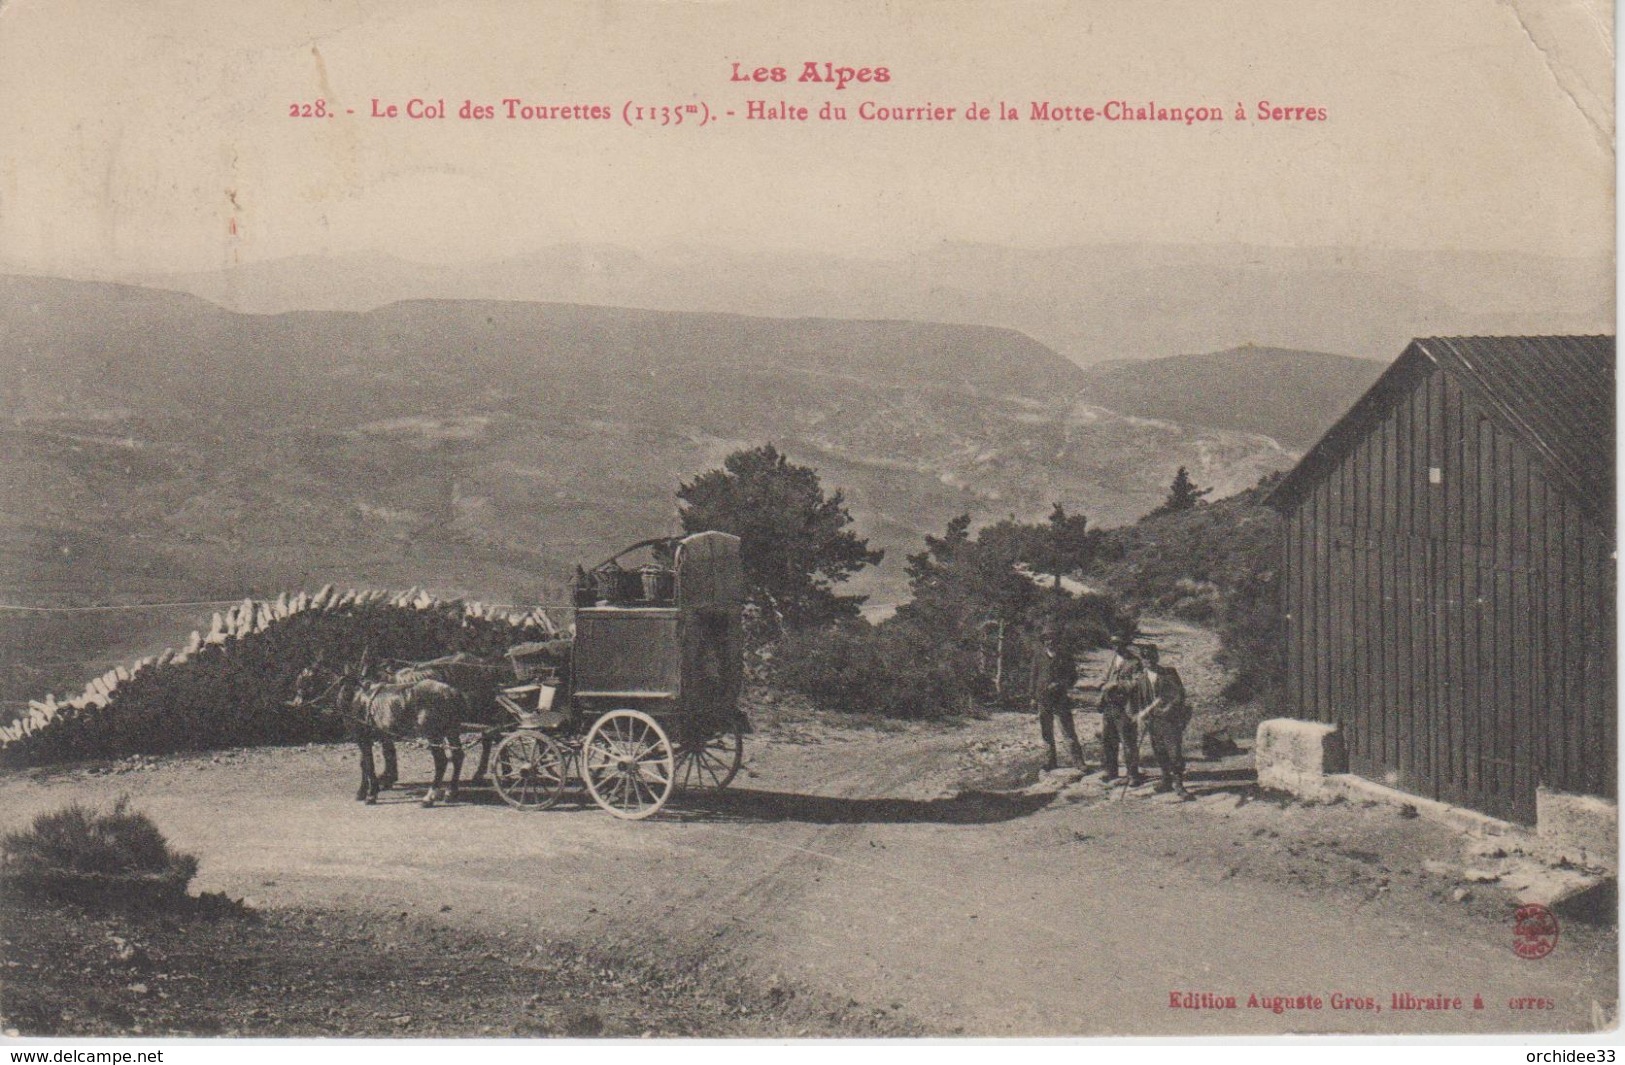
330,696
338,680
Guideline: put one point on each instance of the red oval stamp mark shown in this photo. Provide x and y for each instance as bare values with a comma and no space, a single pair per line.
1534,931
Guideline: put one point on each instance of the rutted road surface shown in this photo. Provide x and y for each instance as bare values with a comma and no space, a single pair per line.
859,862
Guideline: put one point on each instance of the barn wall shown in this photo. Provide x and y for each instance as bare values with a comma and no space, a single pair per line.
1461,632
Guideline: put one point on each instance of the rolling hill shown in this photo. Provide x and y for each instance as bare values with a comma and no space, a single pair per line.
155,440
154,446
1293,396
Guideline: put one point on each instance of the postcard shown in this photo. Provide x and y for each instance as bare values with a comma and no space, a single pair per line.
620,518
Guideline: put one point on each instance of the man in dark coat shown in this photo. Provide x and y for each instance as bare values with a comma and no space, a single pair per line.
1055,670
1160,706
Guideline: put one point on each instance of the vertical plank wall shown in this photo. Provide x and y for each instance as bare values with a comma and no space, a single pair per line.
1458,626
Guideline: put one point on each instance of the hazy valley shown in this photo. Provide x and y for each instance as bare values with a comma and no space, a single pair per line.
154,440
157,447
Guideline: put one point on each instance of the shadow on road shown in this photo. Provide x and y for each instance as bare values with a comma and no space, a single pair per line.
966,808
747,805
752,806
1236,776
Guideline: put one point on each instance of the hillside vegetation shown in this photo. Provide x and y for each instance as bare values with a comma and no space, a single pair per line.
1214,564
966,639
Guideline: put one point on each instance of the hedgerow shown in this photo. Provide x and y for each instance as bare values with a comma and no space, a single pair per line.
232,687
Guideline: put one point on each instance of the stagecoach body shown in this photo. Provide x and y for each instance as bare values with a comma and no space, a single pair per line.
680,658
650,702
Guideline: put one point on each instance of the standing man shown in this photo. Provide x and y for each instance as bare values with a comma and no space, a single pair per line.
1118,727
1055,670
1166,713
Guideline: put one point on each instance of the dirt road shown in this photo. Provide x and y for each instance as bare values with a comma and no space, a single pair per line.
851,860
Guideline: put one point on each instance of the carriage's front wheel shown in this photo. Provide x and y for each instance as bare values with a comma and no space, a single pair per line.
712,761
528,769
627,765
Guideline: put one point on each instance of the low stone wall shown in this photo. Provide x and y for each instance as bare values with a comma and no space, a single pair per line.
1297,756
1307,759
1582,829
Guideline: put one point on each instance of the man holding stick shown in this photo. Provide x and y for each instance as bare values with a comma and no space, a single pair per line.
1118,729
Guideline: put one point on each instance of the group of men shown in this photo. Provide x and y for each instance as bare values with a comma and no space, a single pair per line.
1138,692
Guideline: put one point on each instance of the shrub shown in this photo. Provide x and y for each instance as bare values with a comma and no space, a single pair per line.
85,855
887,669
920,664
966,639
1215,565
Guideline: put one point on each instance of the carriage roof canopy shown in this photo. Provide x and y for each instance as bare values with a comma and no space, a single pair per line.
709,575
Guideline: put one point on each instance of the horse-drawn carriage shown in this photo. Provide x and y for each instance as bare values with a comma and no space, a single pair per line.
645,699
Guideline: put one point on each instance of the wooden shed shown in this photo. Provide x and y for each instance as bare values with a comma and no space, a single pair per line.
1449,573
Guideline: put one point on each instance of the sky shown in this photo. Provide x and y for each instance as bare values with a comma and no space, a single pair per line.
157,137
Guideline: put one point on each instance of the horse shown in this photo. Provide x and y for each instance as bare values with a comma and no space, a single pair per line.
479,681
482,683
425,709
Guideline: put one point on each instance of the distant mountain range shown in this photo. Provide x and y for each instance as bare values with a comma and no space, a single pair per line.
156,446
1088,304
153,443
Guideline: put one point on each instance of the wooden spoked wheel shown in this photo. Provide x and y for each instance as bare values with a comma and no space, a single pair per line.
627,765
710,762
529,770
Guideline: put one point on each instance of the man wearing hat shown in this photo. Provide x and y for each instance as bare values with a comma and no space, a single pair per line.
1164,711
1055,670
1118,728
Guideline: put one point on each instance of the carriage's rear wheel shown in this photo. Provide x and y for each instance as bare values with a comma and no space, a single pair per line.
627,765
710,762
529,770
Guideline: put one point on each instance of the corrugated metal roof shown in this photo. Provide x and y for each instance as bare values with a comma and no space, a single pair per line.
1555,393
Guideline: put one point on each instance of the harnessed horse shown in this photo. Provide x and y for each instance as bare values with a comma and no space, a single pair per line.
424,709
